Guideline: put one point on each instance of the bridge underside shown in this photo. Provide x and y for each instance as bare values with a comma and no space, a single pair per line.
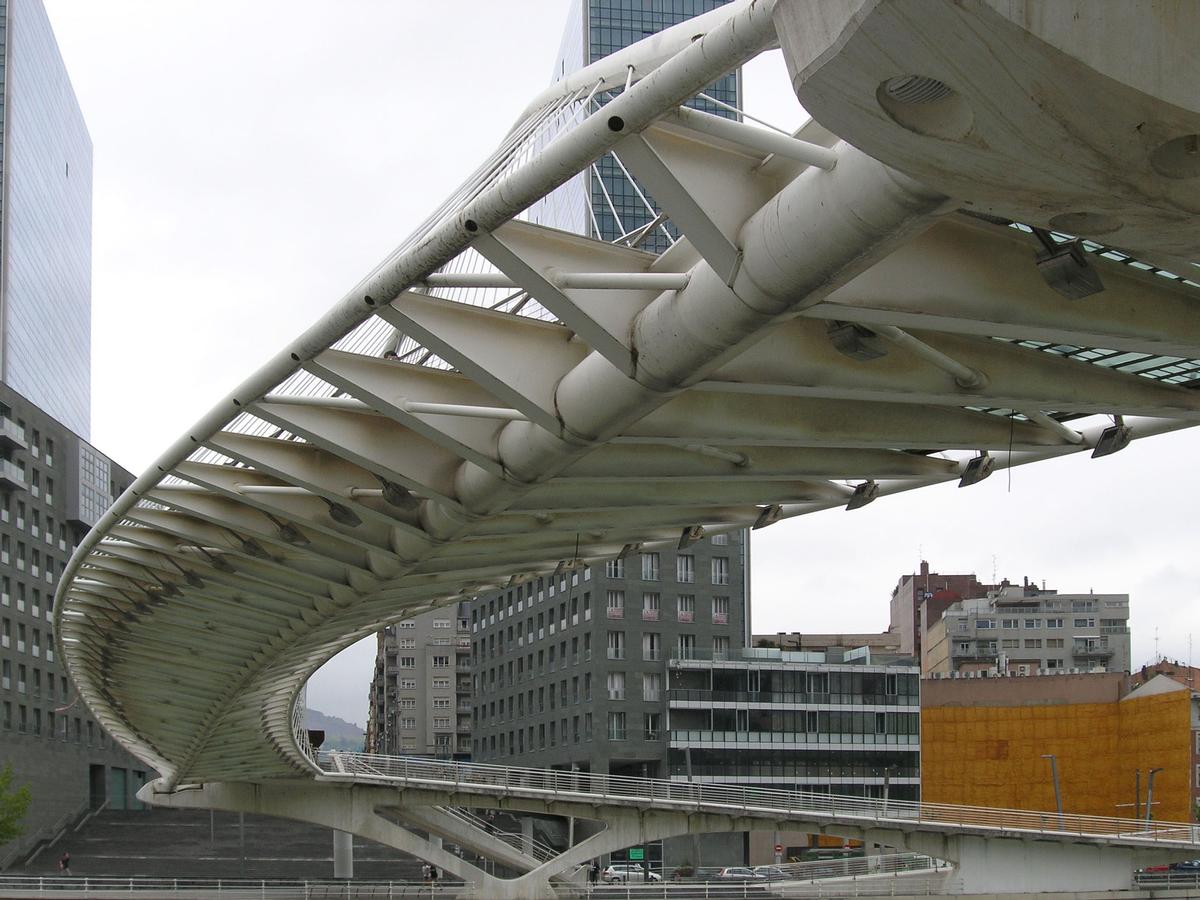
890,298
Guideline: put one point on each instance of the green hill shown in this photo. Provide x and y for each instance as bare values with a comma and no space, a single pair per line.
339,734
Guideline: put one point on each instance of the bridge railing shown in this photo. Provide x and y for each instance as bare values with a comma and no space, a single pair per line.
588,787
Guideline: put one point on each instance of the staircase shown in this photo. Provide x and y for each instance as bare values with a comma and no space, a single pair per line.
176,843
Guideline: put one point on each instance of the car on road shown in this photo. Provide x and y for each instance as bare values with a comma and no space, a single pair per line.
628,873
739,873
771,873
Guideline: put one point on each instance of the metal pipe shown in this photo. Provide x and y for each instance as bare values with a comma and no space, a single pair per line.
759,139
1040,418
738,459
644,281
324,402
637,281
964,375
460,409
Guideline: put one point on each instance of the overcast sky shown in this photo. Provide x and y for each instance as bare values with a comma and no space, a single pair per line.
253,160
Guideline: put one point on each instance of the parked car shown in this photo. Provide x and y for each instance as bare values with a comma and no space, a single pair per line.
1187,865
739,873
771,873
628,873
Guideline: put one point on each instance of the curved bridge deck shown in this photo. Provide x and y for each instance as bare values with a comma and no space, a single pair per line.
561,789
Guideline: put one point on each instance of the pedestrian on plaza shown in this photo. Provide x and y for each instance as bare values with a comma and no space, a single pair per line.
433,874
64,862
594,873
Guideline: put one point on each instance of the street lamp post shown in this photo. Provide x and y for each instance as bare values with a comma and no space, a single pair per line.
1057,791
1150,796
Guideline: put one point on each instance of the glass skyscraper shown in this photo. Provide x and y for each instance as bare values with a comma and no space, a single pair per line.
604,202
45,223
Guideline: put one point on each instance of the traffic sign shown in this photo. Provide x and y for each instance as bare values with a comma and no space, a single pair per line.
637,854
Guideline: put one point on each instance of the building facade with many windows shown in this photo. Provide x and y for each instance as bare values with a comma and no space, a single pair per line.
45,223
1027,630
53,487
421,690
569,670
839,721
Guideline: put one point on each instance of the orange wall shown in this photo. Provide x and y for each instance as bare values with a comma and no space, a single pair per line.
991,755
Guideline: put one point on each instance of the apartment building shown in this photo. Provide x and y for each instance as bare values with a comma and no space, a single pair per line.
421,690
1026,630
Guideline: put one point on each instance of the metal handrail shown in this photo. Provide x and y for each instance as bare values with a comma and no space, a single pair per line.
529,846
622,789
917,885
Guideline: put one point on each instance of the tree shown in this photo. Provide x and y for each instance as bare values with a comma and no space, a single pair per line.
13,805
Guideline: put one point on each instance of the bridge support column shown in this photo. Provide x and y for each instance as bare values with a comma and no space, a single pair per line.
343,854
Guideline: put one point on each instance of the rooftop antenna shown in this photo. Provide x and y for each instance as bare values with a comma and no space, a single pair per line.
1156,656
993,568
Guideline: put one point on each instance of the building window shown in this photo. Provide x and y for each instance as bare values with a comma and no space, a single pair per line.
616,605
651,604
652,726
1054,623
651,645
720,647
615,568
1031,623
687,646
685,568
408,683
686,608
1010,644
616,685
720,610
408,643
1034,643
720,570
441,662
408,703
652,688
649,567
1085,623
441,623
1010,623
441,722
720,540
616,645
983,624
1054,643
408,723
441,702
408,662
616,726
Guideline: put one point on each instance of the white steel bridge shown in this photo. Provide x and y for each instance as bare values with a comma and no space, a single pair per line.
975,256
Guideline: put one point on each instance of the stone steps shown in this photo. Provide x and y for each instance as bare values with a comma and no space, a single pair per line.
175,843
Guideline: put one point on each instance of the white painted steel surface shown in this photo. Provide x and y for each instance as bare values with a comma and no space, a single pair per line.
554,786
455,424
